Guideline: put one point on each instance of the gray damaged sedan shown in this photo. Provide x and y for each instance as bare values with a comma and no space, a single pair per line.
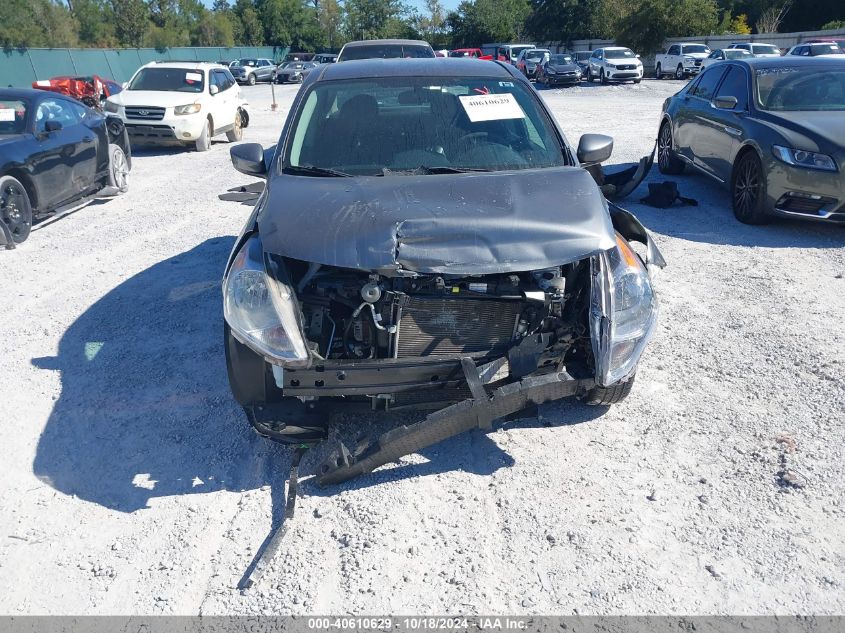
428,239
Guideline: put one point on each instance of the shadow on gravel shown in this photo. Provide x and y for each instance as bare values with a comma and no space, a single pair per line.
145,409
713,220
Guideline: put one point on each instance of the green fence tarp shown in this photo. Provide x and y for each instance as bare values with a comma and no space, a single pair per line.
20,67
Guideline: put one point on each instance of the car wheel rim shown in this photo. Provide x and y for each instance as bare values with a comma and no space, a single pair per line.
12,205
120,171
679,74
664,146
747,188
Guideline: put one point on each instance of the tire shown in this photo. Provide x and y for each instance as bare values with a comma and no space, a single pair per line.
15,208
251,79
748,190
602,78
237,133
658,72
667,162
679,72
203,143
603,396
118,169
636,81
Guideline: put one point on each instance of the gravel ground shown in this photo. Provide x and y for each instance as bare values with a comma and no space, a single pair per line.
133,484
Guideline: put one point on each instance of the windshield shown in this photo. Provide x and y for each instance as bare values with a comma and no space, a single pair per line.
695,48
516,50
765,49
736,53
535,56
247,62
386,51
620,53
168,80
400,125
793,89
12,116
826,49
560,59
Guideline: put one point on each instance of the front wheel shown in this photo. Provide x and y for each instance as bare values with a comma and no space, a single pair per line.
15,208
603,396
636,81
203,143
118,169
658,72
251,80
748,190
679,72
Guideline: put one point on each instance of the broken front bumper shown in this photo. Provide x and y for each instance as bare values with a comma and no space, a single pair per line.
479,411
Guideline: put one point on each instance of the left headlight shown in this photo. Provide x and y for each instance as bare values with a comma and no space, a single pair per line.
625,312
802,158
191,108
111,106
262,310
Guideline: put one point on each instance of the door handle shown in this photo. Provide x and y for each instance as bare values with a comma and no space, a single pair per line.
733,131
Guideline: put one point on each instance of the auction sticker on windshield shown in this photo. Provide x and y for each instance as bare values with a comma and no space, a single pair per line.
189,77
493,107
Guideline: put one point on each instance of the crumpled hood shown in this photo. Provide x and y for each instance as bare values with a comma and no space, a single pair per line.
469,224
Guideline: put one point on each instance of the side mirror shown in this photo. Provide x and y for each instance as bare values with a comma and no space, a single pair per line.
52,126
248,158
213,89
725,103
594,148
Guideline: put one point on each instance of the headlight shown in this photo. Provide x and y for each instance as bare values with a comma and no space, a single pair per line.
261,310
609,65
111,107
191,108
624,313
802,158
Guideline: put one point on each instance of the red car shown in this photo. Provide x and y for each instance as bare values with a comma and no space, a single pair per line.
469,52
91,91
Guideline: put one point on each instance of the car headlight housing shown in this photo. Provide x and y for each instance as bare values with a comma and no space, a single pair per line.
191,108
261,310
111,106
623,313
803,158
609,65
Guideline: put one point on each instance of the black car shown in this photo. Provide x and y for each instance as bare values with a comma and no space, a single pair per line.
55,150
558,70
771,129
428,239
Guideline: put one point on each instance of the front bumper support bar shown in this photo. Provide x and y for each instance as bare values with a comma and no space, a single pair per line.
477,412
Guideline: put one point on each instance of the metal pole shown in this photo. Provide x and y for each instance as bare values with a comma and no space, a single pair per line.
274,106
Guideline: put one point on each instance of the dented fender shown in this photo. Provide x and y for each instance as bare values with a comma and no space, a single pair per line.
629,227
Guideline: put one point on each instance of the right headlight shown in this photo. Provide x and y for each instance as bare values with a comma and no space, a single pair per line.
111,106
624,313
190,108
803,158
261,310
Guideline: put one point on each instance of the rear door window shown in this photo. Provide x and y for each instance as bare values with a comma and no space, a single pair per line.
705,88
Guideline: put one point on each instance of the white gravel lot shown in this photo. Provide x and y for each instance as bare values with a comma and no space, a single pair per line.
132,483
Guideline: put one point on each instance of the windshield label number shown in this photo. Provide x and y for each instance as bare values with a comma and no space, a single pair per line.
493,107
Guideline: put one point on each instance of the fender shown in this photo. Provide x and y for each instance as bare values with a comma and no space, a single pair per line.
632,229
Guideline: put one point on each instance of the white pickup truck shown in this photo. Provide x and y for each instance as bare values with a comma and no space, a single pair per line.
681,60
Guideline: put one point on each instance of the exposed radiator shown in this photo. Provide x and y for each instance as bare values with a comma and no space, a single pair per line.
450,326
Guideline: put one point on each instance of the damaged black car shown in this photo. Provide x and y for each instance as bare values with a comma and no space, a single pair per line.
428,239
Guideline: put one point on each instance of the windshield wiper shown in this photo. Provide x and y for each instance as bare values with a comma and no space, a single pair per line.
440,169
310,170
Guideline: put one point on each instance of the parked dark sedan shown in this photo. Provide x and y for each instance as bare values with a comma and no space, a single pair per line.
54,150
771,129
433,242
559,70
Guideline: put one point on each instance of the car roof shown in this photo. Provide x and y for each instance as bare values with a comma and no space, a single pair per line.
759,63
191,65
363,43
418,67
616,48
31,93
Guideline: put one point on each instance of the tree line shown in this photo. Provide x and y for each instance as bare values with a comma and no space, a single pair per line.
315,25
